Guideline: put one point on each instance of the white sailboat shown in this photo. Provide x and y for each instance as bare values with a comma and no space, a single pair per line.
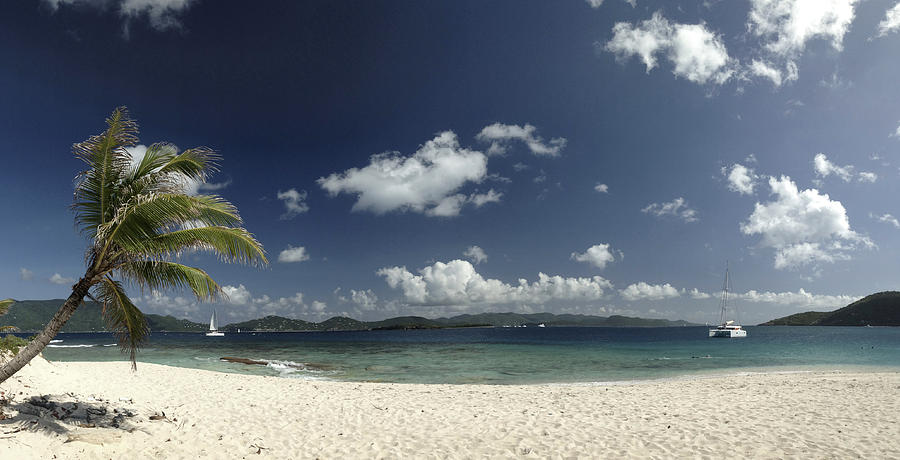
213,328
727,328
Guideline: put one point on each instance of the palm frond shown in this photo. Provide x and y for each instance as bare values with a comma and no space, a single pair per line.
156,156
149,215
229,243
123,318
160,275
5,304
195,163
106,159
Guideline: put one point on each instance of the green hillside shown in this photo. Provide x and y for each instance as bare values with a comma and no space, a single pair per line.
341,323
405,322
549,319
271,323
169,323
33,315
880,309
807,318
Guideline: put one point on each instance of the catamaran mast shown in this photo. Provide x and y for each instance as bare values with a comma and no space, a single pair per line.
724,296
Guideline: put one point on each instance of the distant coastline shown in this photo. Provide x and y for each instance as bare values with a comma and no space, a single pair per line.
32,315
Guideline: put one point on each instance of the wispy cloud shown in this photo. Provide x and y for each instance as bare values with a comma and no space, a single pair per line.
59,279
475,254
677,208
499,135
161,15
294,203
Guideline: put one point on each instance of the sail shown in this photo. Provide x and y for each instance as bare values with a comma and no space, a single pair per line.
212,321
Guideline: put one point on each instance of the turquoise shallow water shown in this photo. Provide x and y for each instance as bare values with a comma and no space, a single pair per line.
507,355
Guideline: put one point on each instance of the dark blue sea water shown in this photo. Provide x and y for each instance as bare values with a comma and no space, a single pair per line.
507,355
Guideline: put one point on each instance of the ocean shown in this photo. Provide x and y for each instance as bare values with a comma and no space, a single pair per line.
507,355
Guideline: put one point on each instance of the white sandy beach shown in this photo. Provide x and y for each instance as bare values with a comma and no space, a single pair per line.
216,415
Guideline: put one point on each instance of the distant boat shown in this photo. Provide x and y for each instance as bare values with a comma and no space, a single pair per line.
541,325
727,328
213,329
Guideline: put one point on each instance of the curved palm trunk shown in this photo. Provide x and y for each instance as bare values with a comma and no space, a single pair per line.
44,337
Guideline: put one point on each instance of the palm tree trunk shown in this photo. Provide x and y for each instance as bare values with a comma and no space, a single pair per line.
25,355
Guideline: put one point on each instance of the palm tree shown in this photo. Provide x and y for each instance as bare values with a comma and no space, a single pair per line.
138,218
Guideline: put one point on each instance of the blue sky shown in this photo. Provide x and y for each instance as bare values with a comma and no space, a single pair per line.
435,158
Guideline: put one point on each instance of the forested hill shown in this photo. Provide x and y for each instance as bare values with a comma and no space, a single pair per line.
32,315
881,309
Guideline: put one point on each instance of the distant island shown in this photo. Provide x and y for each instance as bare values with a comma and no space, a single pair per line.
32,315
880,309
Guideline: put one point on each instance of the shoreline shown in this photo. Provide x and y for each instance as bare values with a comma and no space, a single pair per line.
696,374
190,413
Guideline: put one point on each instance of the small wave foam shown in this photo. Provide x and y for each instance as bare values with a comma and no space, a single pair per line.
109,345
80,345
56,341
292,369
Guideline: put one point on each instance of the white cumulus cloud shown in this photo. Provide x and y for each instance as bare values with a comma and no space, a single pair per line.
426,182
803,227
644,291
499,135
800,299
698,294
602,188
597,255
697,54
293,254
787,25
458,283
366,300
475,254
741,179
676,208
236,295
891,21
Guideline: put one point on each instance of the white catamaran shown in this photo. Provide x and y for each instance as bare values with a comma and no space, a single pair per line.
727,328
213,328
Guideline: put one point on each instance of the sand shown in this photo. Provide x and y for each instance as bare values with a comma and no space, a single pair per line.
103,410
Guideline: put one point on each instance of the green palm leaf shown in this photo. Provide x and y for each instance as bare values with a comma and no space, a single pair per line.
107,159
158,275
231,244
122,317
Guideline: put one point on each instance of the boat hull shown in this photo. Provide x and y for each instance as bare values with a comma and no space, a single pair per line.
727,333
215,334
